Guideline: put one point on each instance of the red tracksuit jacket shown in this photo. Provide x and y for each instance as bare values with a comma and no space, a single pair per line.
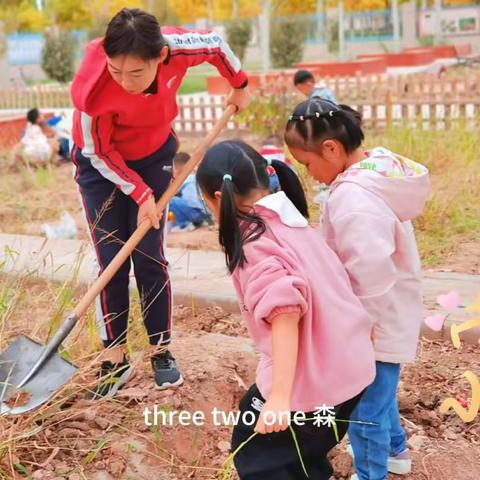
111,126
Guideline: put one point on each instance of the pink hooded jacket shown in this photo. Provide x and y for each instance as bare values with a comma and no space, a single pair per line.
367,222
290,268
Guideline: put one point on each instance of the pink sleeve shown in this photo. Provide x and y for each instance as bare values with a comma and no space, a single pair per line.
269,290
365,244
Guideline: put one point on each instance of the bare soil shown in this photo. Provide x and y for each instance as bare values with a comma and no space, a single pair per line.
79,439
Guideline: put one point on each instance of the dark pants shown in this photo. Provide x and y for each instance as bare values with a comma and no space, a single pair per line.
274,456
112,218
185,214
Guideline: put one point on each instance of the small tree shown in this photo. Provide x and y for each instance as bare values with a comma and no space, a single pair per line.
239,33
287,42
58,56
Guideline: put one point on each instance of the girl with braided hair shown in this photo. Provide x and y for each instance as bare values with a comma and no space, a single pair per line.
373,197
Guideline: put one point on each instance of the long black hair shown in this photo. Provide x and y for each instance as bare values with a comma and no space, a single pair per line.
316,120
289,181
133,31
234,168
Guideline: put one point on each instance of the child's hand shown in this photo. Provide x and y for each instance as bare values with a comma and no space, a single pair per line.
275,416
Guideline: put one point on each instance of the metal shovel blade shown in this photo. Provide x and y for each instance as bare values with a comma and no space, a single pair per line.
16,362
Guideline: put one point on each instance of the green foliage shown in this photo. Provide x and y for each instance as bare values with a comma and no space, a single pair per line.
58,56
268,113
239,33
332,37
165,14
70,14
287,42
99,27
29,19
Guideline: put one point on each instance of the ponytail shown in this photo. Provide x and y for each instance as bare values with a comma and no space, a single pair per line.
289,181
290,184
229,233
227,169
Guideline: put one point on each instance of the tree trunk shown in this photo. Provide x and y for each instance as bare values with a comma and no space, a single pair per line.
396,26
341,30
438,22
265,34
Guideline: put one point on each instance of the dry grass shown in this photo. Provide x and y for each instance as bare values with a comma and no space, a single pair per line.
452,215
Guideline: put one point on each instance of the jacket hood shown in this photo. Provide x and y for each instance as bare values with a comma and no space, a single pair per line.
402,183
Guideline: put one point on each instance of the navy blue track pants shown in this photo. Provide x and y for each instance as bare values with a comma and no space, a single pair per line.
112,218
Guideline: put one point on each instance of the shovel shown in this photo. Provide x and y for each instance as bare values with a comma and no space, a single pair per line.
31,373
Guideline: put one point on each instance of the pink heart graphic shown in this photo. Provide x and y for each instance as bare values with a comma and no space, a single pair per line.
435,322
450,301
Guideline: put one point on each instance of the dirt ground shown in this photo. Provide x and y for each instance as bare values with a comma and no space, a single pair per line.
45,205
79,439
76,439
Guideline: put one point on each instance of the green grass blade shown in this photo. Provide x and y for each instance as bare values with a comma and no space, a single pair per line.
297,446
229,462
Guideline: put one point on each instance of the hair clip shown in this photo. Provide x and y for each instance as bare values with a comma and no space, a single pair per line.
331,112
227,177
317,114
302,118
268,161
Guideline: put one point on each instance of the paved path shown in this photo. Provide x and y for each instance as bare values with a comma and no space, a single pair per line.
197,276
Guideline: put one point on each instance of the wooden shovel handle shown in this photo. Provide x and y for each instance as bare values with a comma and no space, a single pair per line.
122,256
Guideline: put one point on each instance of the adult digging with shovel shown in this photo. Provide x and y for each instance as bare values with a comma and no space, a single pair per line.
125,98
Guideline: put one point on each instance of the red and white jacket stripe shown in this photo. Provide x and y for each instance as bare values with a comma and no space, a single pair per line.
112,126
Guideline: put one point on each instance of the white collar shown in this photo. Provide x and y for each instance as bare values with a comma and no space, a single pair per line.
286,210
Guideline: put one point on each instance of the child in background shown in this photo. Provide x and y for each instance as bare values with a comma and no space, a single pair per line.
312,332
374,195
63,132
304,82
37,148
187,206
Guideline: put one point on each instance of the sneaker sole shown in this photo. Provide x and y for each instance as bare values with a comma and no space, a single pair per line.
167,385
394,466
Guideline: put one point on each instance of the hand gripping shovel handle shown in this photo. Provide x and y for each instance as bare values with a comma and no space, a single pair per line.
129,246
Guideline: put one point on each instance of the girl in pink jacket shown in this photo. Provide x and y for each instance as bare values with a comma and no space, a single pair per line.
311,331
373,197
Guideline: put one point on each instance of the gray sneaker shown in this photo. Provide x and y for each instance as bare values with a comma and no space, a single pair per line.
165,371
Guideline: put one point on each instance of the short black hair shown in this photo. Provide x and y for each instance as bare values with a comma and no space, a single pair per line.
302,76
133,31
181,158
33,115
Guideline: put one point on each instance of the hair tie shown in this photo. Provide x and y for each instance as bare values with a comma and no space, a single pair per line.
227,177
317,114
268,161
331,112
